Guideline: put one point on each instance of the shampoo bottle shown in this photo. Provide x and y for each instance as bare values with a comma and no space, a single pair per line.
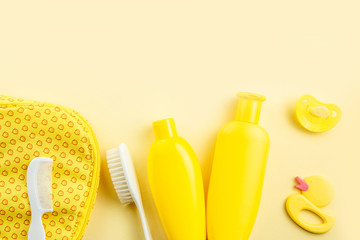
238,171
176,184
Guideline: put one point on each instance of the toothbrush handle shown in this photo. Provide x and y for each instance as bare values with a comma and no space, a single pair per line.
144,222
36,230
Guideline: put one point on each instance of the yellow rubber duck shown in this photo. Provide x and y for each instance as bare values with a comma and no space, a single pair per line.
316,192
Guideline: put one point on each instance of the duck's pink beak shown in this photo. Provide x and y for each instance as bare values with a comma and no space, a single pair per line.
302,185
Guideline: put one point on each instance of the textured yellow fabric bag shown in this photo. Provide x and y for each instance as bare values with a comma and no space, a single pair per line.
30,129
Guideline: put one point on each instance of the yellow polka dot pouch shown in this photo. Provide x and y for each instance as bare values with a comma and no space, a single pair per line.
30,129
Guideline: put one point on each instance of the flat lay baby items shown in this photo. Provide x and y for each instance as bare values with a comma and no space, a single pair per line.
39,185
50,164
176,184
125,182
34,136
316,193
238,171
316,116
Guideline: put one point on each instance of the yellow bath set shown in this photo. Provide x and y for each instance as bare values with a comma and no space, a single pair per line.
316,192
31,129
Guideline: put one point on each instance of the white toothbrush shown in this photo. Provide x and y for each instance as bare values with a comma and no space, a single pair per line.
123,176
39,181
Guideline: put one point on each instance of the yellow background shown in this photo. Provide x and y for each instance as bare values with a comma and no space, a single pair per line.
124,64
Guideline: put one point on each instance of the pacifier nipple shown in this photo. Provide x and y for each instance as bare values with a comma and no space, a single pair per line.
320,112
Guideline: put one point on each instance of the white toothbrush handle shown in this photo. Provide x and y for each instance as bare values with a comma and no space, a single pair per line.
36,230
144,222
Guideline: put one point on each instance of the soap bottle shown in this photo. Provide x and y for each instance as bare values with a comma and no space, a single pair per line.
238,171
176,184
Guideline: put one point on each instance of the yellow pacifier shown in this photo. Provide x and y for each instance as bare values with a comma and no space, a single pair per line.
316,192
316,116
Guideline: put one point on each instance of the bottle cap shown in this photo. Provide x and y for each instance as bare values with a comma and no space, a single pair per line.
164,128
249,107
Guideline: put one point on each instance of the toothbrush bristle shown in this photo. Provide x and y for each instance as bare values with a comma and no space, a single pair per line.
118,177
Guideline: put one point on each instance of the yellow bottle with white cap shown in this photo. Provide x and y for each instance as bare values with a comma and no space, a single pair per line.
176,184
238,173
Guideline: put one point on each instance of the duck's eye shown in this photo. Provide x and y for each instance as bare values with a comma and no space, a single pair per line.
316,116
